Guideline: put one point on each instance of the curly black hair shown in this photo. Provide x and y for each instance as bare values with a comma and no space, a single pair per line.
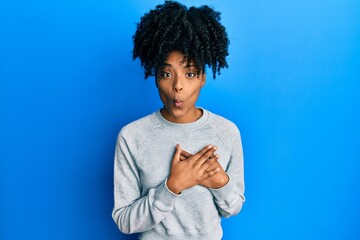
196,32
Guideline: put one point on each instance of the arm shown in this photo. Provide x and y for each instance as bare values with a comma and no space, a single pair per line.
227,186
133,212
230,198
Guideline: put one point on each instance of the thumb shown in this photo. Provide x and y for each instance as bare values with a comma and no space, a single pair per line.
177,153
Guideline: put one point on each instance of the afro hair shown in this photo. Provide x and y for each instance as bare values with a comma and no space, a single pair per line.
196,32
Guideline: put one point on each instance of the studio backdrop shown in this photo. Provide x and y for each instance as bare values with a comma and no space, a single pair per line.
68,84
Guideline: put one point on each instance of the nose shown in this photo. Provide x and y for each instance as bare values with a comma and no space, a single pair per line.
177,84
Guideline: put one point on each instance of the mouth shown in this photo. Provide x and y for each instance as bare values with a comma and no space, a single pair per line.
178,102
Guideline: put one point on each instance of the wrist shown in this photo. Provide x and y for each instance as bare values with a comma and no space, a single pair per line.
223,180
172,186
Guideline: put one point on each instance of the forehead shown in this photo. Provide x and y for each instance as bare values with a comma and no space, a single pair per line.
176,58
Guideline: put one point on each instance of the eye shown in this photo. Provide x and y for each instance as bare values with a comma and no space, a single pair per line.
165,75
190,75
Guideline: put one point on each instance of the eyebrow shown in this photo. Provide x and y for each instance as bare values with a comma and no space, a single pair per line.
188,65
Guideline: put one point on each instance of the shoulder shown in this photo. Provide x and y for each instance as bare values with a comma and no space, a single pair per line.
225,129
221,124
139,129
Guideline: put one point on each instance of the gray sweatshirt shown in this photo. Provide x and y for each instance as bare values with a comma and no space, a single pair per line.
142,201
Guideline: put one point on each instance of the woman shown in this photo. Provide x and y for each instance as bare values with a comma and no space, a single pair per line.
179,170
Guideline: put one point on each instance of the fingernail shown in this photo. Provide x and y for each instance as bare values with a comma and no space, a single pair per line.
209,146
215,147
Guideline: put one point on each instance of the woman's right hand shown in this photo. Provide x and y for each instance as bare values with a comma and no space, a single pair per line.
192,171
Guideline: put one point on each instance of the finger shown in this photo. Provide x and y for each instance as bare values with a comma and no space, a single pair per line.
211,173
210,164
206,156
186,154
177,153
182,157
214,166
200,153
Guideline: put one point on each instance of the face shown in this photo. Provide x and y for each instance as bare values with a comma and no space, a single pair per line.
179,83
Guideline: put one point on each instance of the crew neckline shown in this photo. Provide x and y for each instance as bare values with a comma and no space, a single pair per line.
162,121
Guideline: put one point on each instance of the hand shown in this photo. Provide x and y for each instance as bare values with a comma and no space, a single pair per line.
216,181
193,171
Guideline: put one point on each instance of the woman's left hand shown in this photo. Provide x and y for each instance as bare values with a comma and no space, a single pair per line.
218,180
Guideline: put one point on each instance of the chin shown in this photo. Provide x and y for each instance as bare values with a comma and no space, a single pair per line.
176,113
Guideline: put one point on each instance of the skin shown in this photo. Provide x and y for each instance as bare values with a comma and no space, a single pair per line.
216,181
179,83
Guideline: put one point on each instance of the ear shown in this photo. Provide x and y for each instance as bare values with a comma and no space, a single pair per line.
203,79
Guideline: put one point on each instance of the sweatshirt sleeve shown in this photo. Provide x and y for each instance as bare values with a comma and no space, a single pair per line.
230,198
132,212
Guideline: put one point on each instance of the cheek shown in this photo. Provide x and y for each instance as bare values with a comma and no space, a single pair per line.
162,94
196,91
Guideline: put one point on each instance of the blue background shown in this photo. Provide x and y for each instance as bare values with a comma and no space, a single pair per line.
68,84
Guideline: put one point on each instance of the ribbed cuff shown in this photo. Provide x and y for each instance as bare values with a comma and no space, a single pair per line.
164,199
226,193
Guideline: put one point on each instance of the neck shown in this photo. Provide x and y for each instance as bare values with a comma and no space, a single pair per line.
189,117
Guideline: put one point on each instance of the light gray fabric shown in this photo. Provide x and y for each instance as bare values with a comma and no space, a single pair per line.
142,201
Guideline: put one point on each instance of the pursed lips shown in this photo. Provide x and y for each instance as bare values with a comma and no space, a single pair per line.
178,102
